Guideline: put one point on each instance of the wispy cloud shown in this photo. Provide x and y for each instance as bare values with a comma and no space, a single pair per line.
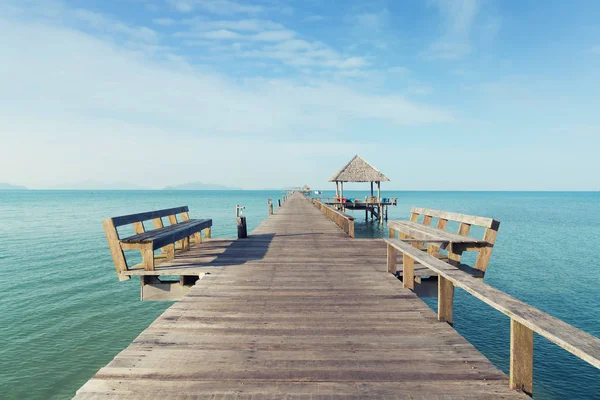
265,40
314,18
164,21
594,49
458,17
219,7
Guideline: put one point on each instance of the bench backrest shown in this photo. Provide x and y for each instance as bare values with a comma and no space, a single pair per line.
490,225
146,216
446,216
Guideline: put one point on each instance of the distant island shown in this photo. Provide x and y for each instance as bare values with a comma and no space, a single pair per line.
95,185
200,186
8,186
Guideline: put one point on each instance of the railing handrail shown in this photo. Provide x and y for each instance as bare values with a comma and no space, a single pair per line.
343,220
525,319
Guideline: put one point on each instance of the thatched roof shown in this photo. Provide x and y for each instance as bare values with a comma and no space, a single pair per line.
358,170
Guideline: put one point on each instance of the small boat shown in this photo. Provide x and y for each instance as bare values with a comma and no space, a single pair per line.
318,192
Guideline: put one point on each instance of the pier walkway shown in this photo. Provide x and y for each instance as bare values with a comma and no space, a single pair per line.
297,310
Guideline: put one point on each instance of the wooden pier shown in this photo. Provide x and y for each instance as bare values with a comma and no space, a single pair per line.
297,310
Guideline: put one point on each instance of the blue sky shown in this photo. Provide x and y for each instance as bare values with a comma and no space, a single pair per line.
465,94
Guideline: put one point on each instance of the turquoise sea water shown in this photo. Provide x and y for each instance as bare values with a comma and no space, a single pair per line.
64,314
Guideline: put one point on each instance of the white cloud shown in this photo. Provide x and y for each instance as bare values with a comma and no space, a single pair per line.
221,34
372,20
458,18
164,21
274,36
594,49
219,7
314,18
250,25
78,91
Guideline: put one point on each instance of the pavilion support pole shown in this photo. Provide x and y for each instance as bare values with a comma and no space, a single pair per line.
371,189
342,193
379,192
337,185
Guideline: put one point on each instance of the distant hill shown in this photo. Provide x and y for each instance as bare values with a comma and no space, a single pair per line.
200,186
8,186
95,185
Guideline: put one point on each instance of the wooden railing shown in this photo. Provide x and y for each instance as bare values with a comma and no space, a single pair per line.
524,319
344,221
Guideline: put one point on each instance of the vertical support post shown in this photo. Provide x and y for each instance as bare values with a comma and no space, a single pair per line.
138,227
270,207
445,299
185,243
379,192
342,193
148,257
206,233
279,203
408,272
371,189
521,357
173,221
170,251
464,229
427,220
485,253
433,249
391,233
392,254
112,236
337,184
454,255
351,228
414,217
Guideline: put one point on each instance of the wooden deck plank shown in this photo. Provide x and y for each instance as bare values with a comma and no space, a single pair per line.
297,310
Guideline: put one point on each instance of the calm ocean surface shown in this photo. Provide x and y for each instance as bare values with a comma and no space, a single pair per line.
64,314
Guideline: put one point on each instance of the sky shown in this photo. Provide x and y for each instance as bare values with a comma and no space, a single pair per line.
437,94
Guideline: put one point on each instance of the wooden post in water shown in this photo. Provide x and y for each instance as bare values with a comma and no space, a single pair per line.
278,202
270,207
242,229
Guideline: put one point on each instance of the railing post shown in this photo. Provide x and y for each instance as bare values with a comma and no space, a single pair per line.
391,258
521,357
445,299
270,207
351,228
408,272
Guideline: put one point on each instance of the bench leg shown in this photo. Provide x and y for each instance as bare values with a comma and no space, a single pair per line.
170,250
148,257
207,233
445,299
408,272
454,256
391,259
198,237
185,244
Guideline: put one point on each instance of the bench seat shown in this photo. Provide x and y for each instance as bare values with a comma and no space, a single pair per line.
439,236
169,234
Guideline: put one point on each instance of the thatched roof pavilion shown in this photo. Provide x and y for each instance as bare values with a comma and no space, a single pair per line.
358,170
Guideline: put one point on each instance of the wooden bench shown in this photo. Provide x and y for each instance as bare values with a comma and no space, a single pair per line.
524,319
439,238
180,232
